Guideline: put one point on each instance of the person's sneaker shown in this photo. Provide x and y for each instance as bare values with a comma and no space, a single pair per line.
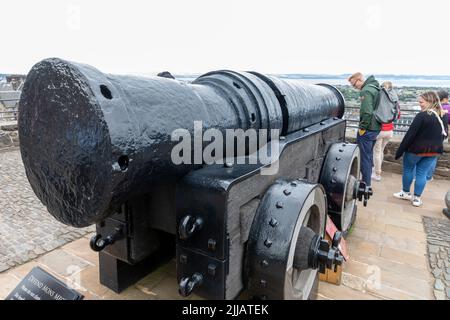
417,202
376,177
429,180
403,195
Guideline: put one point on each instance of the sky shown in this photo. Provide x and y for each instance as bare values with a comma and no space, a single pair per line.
196,36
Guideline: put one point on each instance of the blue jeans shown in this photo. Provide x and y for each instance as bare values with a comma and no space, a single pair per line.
432,168
366,142
422,166
430,172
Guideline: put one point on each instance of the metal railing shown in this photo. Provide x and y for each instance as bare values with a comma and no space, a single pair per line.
401,125
10,114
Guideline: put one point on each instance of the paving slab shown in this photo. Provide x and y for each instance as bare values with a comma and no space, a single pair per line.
27,230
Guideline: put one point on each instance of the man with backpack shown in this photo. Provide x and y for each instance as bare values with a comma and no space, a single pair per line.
369,127
383,113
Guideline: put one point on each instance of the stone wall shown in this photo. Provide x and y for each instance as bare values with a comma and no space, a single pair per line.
9,136
392,165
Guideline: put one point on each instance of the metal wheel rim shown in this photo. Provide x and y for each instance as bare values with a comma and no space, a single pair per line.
298,285
348,206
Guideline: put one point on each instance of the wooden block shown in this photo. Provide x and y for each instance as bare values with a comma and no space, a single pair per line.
329,275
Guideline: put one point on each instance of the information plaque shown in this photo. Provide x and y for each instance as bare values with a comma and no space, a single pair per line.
40,285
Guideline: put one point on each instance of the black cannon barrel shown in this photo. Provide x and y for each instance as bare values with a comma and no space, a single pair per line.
90,141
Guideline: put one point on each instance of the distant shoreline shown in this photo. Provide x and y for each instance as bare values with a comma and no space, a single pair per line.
413,82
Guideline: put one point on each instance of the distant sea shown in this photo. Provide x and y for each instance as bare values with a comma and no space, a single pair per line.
427,83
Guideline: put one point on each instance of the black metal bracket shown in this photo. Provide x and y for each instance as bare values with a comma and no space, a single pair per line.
189,225
188,284
363,192
191,264
324,256
98,243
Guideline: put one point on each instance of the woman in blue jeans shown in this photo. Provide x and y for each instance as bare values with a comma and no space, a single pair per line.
421,145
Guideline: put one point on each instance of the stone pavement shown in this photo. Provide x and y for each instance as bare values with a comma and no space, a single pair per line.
388,246
27,230
438,239
388,256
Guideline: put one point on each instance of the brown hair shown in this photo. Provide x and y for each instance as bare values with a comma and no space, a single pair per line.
443,94
387,85
357,75
434,102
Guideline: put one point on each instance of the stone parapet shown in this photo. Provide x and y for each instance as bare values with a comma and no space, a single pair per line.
9,136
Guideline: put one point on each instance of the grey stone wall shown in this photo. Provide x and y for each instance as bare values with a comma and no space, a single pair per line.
392,165
9,136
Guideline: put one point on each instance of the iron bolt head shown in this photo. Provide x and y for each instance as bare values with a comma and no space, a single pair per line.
264,263
211,244
273,223
268,243
287,192
279,205
212,269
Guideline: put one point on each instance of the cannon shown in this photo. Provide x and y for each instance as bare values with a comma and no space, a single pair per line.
99,149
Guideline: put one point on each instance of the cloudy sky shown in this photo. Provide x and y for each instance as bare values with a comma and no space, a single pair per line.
194,36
